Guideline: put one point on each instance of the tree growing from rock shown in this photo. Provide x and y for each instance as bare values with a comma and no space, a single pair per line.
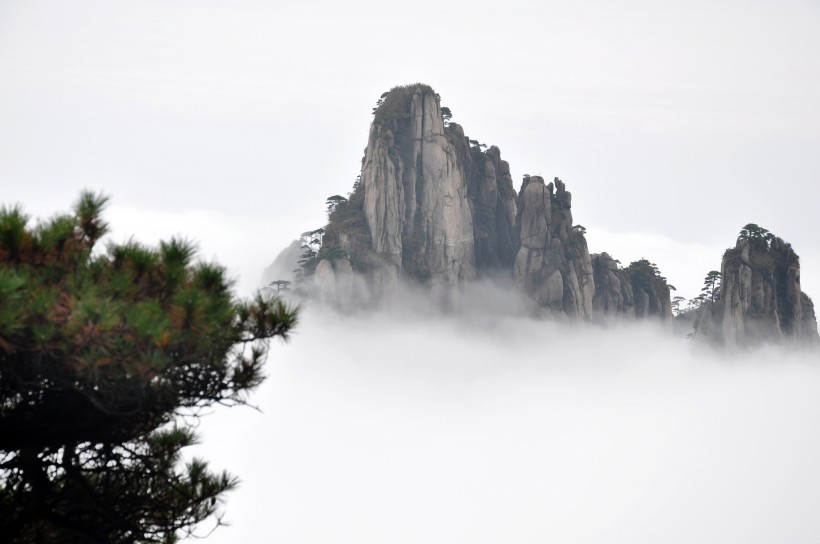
446,115
107,359
711,286
333,202
311,243
756,235
642,272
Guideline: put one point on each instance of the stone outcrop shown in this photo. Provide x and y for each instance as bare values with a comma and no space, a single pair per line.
435,208
637,291
415,183
760,299
493,204
552,264
613,288
336,285
651,298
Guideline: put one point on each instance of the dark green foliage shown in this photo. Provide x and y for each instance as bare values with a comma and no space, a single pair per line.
348,215
757,236
347,219
768,252
446,115
100,355
650,286
394,104
644,274
311,244
332,202
711,286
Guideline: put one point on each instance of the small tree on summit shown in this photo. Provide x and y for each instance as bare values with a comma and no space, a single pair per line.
756,235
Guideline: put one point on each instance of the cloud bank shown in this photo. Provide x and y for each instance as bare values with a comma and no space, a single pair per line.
414,428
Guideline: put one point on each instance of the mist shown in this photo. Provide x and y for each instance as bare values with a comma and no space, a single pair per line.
409,427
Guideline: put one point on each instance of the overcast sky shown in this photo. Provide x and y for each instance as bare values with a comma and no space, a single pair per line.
673,124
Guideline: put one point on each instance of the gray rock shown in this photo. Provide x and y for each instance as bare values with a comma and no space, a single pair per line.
613,289
552,263
416,191
760,298
325,281
435,209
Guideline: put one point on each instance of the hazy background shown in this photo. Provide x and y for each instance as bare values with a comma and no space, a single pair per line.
231,122
673,124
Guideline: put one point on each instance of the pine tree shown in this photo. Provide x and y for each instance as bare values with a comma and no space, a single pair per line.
711,286
107,359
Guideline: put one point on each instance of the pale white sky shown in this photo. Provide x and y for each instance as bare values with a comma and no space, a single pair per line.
672,124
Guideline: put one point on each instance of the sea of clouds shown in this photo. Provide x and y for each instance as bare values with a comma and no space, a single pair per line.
486,427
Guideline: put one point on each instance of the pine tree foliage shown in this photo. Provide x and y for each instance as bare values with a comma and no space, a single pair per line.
106,360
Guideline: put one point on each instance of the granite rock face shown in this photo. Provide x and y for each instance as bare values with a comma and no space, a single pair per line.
760,298
438,210
415,186
552,264
635,292
493,204
435,208
613,288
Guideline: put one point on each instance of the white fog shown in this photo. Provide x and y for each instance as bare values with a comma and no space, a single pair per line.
482,429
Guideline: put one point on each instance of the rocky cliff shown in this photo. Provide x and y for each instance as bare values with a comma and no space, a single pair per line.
759,299
552,263
613,288
434,207
415,179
